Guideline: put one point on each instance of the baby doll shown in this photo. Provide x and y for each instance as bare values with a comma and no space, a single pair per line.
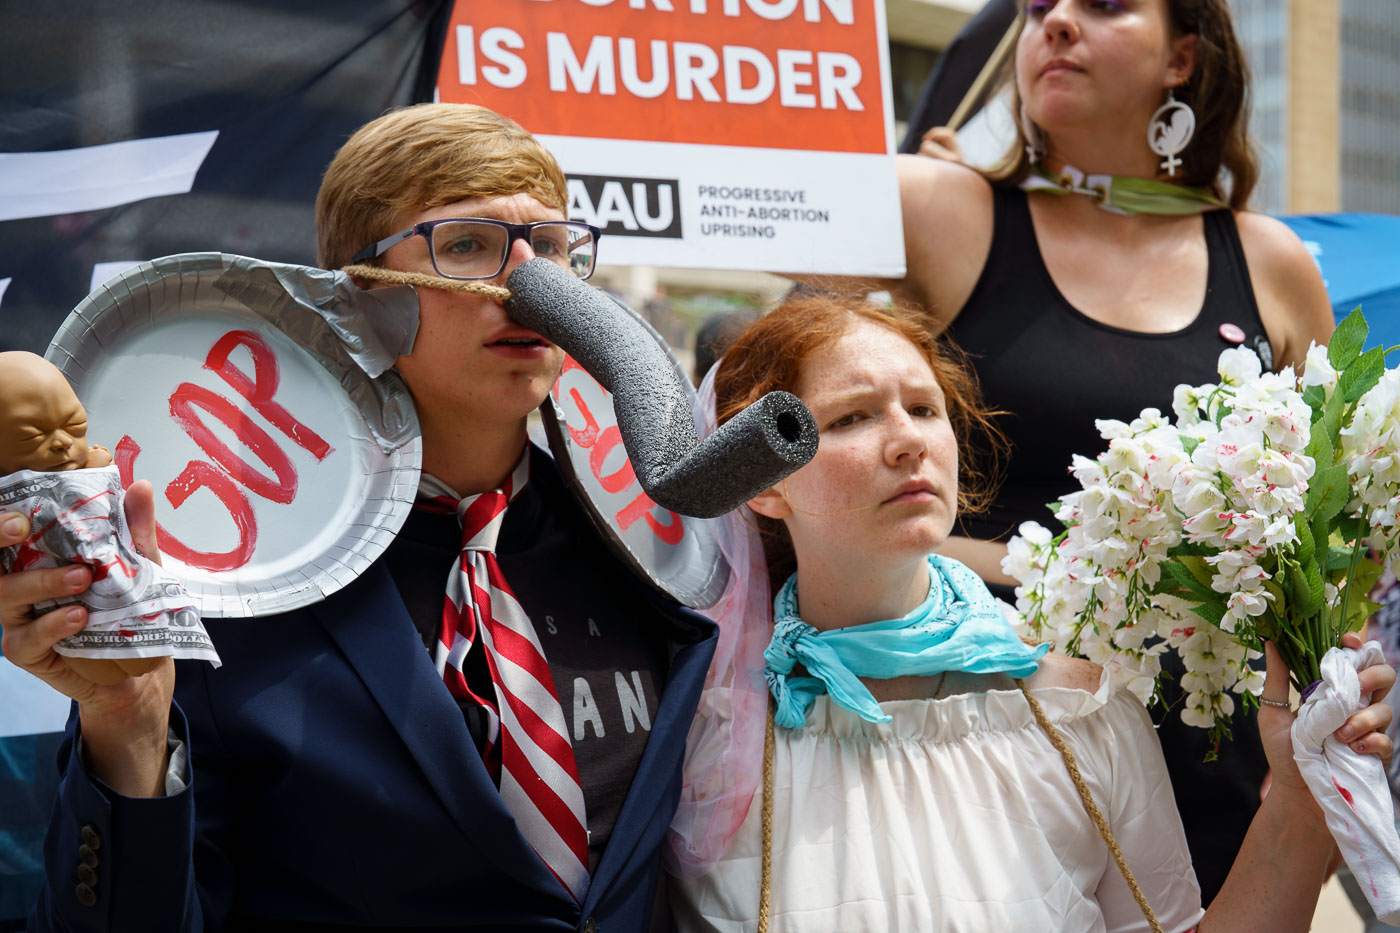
78,517
42,424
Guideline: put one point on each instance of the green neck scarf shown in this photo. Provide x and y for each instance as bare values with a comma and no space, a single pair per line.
1122,195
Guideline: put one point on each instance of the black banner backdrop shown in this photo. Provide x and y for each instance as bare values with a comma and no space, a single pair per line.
228,113
281,83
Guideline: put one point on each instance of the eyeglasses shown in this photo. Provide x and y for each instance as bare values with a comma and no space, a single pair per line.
477,248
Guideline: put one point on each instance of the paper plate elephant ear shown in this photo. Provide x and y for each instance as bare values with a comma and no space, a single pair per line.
259,398
623,389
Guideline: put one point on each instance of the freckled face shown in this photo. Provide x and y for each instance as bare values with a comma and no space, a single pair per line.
470,361
1094,59
885,477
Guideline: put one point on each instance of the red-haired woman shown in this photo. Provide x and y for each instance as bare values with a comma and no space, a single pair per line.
1109,258
914,780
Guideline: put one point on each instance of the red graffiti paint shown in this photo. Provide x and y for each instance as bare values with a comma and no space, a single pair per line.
587,437
670,532
230,473
620,478
260,389
198,475
280,487
599,445
1346,794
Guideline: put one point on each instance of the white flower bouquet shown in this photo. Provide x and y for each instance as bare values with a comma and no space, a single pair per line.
1247,518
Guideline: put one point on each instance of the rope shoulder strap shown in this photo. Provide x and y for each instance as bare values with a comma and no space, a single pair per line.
765,891
1090,807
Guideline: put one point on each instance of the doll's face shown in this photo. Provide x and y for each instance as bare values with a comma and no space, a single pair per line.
42,424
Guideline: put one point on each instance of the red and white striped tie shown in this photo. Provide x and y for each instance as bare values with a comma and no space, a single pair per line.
527,738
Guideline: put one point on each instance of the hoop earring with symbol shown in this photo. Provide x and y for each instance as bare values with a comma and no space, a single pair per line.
1170,131
1035,142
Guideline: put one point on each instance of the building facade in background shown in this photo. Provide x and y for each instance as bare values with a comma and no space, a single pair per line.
1370,69
1326,106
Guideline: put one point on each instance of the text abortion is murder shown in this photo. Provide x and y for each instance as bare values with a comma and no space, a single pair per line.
690,70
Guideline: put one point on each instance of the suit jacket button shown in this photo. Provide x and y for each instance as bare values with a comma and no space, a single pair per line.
86,895
91,837
87,856
88,874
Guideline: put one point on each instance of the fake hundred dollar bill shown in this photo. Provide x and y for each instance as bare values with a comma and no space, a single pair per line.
136,609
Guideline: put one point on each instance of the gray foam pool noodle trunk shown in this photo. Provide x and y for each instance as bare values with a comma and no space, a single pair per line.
755,450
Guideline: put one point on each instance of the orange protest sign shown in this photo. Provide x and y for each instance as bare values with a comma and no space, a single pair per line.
772,74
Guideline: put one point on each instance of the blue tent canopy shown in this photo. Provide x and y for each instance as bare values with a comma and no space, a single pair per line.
1359,255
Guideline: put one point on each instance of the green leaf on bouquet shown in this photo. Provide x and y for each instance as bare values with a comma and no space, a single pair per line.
1363,578
1307,543
1169,587
1184,578
1189,549
1347,340
1189,444
1305,589
1329,424
1338,557
1328,493
1211,612
1350,528
1317,590
1320,446
1315,396
1358,615
1361,376
1323,535
1367,573
1198,569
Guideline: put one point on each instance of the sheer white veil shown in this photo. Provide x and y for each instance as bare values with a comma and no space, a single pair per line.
724,751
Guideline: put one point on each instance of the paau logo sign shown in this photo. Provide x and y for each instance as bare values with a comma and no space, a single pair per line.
627,206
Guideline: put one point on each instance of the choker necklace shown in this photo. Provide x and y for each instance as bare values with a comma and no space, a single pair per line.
1124,195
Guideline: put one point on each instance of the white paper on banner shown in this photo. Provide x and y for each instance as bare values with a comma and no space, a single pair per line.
725,207
1350,788
66,181
105,271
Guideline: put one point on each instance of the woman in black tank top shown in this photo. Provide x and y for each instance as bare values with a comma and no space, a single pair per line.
1073,311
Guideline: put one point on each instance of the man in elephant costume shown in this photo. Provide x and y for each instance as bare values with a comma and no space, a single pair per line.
484,729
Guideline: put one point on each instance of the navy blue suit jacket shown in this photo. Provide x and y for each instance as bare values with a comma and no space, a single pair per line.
334,784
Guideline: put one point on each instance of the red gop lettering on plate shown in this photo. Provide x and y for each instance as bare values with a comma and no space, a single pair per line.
600,442
227,474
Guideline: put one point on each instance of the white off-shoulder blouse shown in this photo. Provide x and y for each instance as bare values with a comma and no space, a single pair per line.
959,815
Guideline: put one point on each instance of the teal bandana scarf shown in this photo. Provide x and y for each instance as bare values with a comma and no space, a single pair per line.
958,628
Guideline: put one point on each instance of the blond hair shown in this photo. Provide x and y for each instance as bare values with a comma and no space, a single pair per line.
421,157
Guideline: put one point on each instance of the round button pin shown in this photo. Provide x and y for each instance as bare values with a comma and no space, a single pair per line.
1232,333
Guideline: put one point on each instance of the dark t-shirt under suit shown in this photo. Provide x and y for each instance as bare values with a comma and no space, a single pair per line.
606,646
